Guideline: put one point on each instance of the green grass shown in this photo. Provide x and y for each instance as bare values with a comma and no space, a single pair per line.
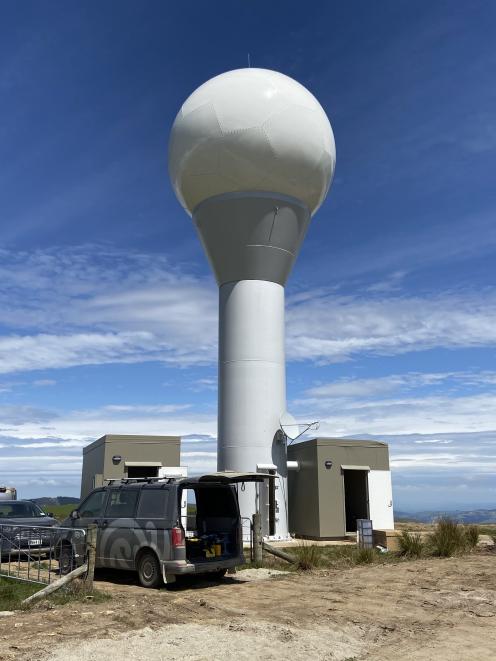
411,544
472,534
447,538
60,512
324,557
308,556
77,592
13,592
362,556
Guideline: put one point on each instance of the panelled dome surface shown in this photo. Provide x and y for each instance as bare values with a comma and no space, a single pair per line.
251,130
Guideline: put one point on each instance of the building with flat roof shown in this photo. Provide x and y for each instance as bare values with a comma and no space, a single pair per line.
337,482
118,456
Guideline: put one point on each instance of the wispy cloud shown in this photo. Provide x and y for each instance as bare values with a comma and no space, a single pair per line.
96,306
427,403
333,328
370,388
89,307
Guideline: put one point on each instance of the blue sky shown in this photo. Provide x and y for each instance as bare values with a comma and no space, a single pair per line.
108,309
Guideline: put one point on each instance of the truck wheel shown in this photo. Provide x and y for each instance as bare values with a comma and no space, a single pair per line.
66,560
150,575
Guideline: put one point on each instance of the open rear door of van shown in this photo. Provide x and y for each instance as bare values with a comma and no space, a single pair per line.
233,477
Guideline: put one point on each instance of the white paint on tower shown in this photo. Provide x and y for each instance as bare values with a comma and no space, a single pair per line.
251,158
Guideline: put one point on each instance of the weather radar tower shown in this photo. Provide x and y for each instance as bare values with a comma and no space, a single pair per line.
251,158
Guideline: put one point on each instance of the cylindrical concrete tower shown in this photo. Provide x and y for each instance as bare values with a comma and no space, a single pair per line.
251,158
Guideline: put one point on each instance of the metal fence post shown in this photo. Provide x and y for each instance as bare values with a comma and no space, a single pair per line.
91,534
257,539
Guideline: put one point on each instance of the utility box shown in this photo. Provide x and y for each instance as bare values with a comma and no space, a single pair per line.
116,456
338,481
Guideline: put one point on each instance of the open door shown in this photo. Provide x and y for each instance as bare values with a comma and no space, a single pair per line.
267,504
356,501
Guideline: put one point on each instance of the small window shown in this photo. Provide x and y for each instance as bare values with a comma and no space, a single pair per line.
122,503
153,503
93,505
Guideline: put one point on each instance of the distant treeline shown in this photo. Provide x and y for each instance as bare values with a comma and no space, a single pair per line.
58,500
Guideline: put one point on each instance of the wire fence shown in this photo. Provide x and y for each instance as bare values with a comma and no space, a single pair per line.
38,554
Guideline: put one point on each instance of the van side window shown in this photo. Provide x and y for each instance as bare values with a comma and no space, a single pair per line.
93,505
122,503
153,504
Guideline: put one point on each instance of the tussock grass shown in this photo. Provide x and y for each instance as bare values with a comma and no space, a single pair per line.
363,556
308,556
447,539
472,534
411,544
76,591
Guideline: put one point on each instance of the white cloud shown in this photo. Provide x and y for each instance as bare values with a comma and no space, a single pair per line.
86,425
438,441
157,409
367,388
427,403
406,415
35,352
357,387
94,306
91,306
41,383
333,328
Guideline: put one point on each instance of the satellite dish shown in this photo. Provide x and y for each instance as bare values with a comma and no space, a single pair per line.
289,426
293,429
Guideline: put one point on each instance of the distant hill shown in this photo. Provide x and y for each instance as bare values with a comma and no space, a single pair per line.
469,516
58,500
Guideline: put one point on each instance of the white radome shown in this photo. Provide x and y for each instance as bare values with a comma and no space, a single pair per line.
251,130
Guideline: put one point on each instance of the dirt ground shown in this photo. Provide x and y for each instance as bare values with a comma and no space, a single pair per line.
418,610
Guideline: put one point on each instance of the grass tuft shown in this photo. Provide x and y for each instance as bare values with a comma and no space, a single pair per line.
447,539
76,591
363,556
472,534
411,544
308,556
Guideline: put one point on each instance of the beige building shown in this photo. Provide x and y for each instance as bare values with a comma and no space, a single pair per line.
119,456
337,482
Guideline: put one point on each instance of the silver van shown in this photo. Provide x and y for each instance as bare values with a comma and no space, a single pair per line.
142,527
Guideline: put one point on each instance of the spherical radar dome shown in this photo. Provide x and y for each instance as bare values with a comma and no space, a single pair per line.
251,130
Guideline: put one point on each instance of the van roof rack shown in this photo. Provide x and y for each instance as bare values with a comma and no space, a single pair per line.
132,480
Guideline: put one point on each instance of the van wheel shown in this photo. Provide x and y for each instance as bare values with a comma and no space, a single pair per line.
149,572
